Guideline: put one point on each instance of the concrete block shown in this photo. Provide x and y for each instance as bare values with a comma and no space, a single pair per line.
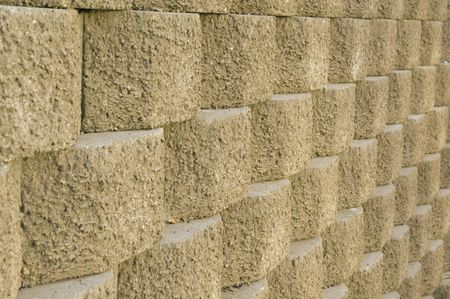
447,251
420,225
409,40
257,232
349,43
383,40
78,4
357,173
255,290
424,89
207,162
335,292
320,8
342,246
411,285
415,9
314,197
281,136
199,6
300,274
302,54
40,53
333,116
414,139
186,263
437,126
238,60
359,9
100,286
390,154
432,267
445,167
367,280
443,85
395,261
406,194
440,206
443,290
391,295
437,10
100,201
446,41
146,82
372,96
431,42
428,177
389,9
265,7
10,230
399,96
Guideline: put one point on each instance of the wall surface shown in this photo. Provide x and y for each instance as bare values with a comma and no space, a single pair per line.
224,149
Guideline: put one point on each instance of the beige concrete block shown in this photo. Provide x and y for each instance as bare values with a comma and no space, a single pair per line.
432,269
40,53
431,42
383,43
281,136
199,6
257,232
357,173
389,9
320,8
409,41
302,54
238,60
391,295
411,285
443,84
10,230
406,194
420,225
390,154
415,9
445,167
314,197
207,162
428,177
359,9
437,125
372,96
300,274
265,7
414,139
145,82
100,201
334,113
336,292
395,261
100,286
349,43
437,10
446,41
424,89
186,264
255,290
366,281
378,217
342,246
79,4
447,251
399,96
443,291
440,205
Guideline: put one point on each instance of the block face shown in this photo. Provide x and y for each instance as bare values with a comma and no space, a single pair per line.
257,232
320,8
432,267
333,115
303,264
281,136
199,6
366,282
383,39
399,96
414,139
428,177
409,41
431,42
445,167
370,110
443,291
420,225
101,202
79,4
255,290
389,9
238,60
40,52
349,41
437,10
143,83
446,41
314,197
443,84
186,264
406,194
424,89
440,205
207,163
437,126
411,285
10,230
359,9
265,7
390,154
302,54
447,251
415,9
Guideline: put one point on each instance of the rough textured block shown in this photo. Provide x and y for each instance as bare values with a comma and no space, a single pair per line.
367,280
207,162
257,232
409,41
383,39
255,290
414,139
420,225
40,53
302,54
447,251
432,267
186,264
437,125
443,291
238,60
320,8
342,246
390,154
281,136
80,4
431,42
446,41
359,9
406,196
300,274
265,7
357,171
411,285
395,261
378,217
389,9
101,203
334,113
314,197
428,177
335,292
440,206
372,96
443,84
100,286
445,167
349,41
399,96
10,228
212,6
424,89
415,9
145,82
437,10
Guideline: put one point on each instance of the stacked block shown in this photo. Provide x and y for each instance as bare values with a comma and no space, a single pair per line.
400,87
411,285
389,160
366,281
406,194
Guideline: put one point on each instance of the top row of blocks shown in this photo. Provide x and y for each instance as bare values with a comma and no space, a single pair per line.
385,9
